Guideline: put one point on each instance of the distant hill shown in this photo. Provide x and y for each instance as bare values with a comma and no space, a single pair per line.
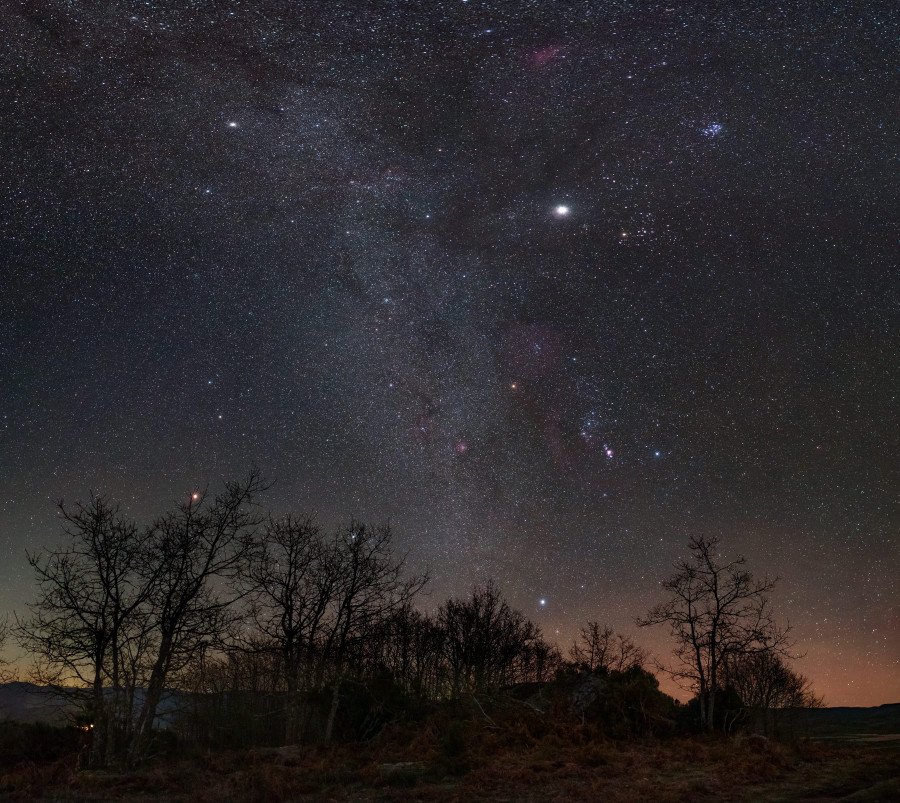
27,702
850,722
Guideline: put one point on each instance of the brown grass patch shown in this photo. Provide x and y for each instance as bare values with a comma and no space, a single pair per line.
471,759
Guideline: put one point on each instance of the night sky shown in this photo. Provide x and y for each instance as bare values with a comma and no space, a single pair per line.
548,286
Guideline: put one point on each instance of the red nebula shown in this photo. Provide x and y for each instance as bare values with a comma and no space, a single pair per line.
545,55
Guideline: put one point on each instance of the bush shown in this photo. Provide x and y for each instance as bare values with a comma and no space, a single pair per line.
365,708
37,742
630,704
728,716
453,742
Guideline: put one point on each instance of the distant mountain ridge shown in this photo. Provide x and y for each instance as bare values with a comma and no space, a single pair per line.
847,721
28,702
21,701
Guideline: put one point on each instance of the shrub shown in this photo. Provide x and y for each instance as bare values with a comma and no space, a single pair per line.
37,742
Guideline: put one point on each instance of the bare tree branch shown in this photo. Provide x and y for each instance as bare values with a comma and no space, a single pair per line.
716,611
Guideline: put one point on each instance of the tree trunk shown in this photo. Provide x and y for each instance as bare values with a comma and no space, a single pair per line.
144,727
332,714
99,736
292,715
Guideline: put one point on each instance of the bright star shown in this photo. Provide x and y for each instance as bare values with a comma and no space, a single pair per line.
561,210
232,124
543,602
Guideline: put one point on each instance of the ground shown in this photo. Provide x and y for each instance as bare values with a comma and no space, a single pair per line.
502,767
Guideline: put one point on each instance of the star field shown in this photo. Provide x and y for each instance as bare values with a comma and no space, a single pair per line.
550,287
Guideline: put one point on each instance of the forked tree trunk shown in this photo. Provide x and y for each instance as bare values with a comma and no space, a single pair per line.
144,728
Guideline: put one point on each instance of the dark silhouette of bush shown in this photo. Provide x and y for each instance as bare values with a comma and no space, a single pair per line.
453,741
629,703
367,706
37,742
728,718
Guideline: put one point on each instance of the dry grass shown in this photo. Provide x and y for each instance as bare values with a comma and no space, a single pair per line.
456,760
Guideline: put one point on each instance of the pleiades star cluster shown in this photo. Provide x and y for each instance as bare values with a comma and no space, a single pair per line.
549,287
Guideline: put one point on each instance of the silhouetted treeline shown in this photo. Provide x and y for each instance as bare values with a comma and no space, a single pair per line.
392,665
228,626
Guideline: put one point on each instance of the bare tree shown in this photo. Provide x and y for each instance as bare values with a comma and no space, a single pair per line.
294,581
196,554
769,687
601,647
485,641
538,662
717,611
410,645
319,603
87,626
370,589
231,698
6,675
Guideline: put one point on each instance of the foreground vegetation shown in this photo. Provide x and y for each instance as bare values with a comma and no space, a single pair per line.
458,754
231,627
220,653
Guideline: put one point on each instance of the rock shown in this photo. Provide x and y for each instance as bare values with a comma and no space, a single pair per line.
402,768
589,689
